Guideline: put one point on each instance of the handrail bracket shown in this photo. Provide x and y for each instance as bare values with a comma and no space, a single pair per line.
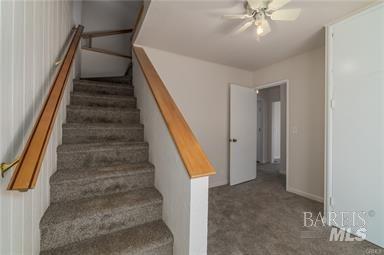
4,167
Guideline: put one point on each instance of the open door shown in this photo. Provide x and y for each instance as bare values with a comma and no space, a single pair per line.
243,134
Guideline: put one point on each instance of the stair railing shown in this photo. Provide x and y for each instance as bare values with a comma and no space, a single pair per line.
29,164
88,36
195,160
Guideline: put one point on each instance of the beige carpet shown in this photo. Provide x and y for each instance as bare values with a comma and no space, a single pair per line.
260,217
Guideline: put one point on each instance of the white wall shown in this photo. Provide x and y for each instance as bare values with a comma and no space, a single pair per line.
77,8
32,34
201,90
185,200
306,74
108,15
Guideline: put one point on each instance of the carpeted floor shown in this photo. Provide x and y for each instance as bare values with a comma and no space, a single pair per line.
260,217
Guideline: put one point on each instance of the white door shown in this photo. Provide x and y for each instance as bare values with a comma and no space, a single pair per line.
276,117
260,131
357,122
243,133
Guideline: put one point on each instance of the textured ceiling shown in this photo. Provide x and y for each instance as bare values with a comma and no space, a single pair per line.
197,29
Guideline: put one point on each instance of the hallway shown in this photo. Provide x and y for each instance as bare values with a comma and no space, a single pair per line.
260,217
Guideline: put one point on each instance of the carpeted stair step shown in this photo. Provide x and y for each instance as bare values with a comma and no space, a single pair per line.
113,79
152,238
88,99
75,184
75,221
76,156
102,88
99,132
81,114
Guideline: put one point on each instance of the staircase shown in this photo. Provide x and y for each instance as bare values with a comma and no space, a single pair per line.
103,199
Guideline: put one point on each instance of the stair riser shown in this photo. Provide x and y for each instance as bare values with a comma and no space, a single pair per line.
100,116
103,102
71,160
163,250
103,90
82,135
88,188
122,80
99,224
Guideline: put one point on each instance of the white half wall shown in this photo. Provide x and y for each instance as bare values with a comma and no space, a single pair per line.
201,90
306,75
185,200
32,35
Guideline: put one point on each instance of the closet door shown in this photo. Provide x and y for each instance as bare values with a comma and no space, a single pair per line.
357,122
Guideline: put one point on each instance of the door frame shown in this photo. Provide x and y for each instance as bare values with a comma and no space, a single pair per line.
287,140
263,160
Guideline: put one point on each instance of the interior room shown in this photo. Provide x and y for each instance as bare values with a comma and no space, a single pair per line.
231,127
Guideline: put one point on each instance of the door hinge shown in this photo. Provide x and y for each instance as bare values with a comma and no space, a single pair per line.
330,202
332,103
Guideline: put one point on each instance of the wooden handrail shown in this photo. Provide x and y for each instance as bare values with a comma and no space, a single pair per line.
107,52
191,153
106,33
138,18
27,171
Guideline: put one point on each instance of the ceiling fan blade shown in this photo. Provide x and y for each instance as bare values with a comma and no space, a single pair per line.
288,14
237,16
255,4
277,4
245,26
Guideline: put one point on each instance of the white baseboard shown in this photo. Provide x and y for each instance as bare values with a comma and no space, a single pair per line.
305,194
217,183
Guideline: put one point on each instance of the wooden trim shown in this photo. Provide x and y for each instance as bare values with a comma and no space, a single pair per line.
27,171
193,156
106,33
108,52
138,19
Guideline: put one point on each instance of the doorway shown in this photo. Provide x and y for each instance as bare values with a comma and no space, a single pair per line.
272,129
251,135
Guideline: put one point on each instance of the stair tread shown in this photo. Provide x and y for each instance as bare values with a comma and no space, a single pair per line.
103,83
117,79
99,108
77,175
102,125
103,96
69,210
136,240
79,147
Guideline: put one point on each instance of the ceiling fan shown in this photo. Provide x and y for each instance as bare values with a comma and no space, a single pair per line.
258,12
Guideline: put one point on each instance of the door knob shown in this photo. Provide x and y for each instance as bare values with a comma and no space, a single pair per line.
233,140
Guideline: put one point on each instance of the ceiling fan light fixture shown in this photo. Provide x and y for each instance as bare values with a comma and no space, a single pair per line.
259,30
261,12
